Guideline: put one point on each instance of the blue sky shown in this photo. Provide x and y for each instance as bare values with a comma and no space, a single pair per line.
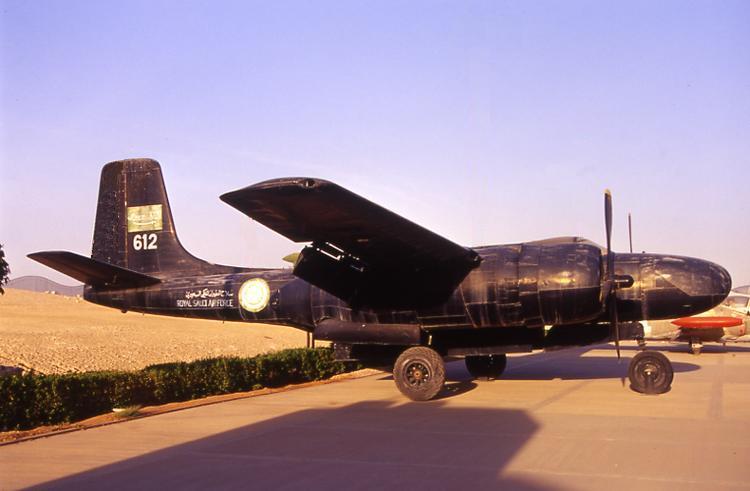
487,122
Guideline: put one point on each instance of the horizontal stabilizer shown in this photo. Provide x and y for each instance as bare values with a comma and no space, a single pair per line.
92,272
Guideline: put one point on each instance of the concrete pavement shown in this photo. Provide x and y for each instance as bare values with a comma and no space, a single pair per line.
556,421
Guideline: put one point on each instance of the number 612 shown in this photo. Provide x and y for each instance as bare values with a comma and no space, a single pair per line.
144,241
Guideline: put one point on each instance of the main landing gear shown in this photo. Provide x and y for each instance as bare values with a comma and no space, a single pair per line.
650,372
419,373
488,367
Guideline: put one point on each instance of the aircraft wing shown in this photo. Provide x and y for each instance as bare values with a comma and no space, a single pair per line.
360,252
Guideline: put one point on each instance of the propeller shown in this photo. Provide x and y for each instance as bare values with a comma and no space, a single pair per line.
630,233
610,286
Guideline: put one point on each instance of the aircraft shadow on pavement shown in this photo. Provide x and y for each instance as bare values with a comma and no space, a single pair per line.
587,368
567,365
455,388
368,445
682,347
547,366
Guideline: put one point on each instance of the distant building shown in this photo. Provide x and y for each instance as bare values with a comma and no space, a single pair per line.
41,284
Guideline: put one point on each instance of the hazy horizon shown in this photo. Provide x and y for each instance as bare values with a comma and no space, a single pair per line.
485,122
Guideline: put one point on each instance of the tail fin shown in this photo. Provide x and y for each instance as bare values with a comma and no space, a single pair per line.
134,228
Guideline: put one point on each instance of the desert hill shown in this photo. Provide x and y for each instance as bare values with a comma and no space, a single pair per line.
57,334
42,284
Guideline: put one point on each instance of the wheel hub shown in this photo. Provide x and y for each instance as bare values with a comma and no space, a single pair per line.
650,373
417,373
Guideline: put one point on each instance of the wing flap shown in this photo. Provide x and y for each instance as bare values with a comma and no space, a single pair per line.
92,272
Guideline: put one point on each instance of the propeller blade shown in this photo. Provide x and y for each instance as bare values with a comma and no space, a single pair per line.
608,217
614,320
610,285
630,233
610,273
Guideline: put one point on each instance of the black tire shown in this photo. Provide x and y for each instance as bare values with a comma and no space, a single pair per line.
419,373
650,372
487,367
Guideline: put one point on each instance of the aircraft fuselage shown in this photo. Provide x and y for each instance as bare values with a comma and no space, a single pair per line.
548,283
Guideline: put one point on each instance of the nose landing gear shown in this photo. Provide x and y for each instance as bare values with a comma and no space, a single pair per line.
486,367
650,372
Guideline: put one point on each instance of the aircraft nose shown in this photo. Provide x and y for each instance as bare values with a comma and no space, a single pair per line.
721,281
695,277
687,286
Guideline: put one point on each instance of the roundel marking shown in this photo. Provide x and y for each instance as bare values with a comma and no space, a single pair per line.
254,295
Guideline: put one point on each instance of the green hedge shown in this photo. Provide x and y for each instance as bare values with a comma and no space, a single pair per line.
27,401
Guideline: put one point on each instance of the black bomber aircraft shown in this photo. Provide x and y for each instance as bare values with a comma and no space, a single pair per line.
382,288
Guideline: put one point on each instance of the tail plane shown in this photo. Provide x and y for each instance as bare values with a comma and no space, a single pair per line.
92,272
134,234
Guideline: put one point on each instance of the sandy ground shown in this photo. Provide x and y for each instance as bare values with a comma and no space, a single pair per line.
57,334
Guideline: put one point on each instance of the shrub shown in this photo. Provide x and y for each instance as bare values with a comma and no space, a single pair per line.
31,400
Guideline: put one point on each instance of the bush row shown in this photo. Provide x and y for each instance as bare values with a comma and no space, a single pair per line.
27,401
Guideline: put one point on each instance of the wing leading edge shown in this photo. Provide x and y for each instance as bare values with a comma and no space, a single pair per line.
360,252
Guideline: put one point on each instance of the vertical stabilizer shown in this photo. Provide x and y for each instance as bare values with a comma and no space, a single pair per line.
134,227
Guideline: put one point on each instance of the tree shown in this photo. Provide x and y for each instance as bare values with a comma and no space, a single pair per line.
4,270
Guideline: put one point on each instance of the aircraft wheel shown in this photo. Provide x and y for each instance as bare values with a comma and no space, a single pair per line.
695,347
488,367
650,372
419,373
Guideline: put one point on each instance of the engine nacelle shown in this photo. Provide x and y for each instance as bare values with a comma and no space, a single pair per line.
536,284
